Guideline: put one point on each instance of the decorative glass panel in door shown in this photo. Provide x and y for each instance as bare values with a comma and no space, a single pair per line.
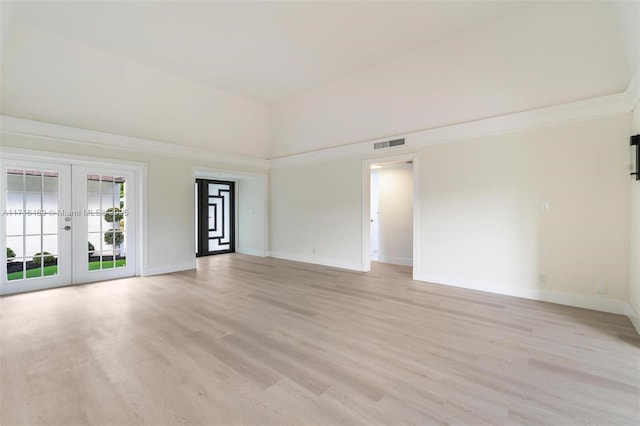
216,217
37,226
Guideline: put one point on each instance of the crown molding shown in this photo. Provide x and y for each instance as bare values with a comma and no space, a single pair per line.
24,127
589,109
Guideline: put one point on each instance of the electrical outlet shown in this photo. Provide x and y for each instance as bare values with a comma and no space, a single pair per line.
601,288
313,250
543,278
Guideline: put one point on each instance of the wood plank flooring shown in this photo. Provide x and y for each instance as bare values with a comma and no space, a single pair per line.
255,341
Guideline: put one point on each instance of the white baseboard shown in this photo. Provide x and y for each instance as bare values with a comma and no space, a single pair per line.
316,260
167,269
634,316
404,261
613,306
252,252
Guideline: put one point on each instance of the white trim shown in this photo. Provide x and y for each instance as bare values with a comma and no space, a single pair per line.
365,217
168,269
614,306
60,158
404,261
252,252
24,127
416,216
325,261
634,317
604,106
219,173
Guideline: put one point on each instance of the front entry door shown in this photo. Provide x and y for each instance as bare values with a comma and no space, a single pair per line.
215,217
65,224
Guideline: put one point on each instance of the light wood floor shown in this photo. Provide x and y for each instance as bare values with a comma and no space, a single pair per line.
255,341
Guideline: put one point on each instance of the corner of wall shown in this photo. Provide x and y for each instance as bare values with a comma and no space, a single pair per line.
634,316
167,269
324,261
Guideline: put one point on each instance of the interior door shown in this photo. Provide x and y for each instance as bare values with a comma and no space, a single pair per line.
215,217
37,226
105,232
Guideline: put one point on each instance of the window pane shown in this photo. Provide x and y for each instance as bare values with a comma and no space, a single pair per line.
33,183
15,181
16,244
15,270
93,183
50,201
33,224
15,217
32,245
50,183
50,224
51,270
106,186
50,244
107,202
96,242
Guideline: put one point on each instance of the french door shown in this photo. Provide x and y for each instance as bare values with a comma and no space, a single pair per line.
215,217
65,224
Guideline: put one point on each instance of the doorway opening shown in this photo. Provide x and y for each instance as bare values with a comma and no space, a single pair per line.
215,217
250,206
390,207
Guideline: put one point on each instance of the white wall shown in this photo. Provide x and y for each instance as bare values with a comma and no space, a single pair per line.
50,78
497,69
7,18
482,222
395,208
316,213
634,297
170,197
252,215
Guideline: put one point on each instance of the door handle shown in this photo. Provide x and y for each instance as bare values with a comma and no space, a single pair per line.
67,228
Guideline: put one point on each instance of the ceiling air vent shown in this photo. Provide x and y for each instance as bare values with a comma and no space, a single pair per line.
388,144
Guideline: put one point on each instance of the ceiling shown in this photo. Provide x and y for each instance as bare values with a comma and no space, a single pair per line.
261,51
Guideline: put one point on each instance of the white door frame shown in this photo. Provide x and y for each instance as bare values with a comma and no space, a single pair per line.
366,209
138,168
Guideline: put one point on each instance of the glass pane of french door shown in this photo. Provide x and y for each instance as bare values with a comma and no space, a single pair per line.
107,236
36,226
106,195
